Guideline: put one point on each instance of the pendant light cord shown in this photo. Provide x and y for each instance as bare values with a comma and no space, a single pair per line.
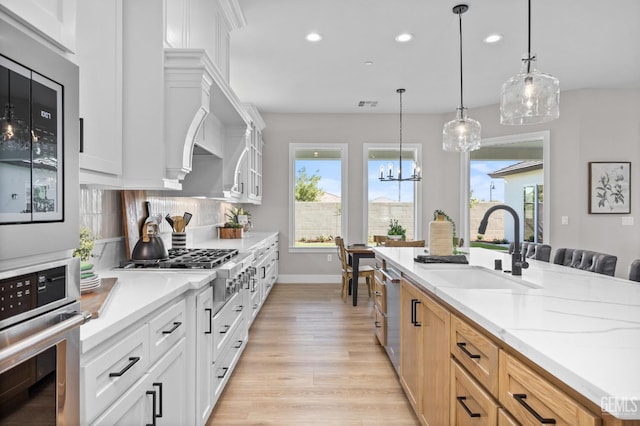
461,91
400,165
529,58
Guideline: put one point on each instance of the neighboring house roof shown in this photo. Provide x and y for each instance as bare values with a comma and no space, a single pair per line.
329,198
521,167
382,200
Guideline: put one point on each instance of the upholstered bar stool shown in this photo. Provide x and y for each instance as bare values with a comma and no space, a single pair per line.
634,270
586,260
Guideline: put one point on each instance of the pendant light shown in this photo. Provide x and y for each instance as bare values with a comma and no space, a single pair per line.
389,177
462,133
12,130
530,97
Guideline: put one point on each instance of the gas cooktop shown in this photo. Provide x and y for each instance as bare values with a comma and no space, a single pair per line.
186,258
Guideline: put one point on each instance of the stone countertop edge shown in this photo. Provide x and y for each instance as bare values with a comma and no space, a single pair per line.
581,327
140,292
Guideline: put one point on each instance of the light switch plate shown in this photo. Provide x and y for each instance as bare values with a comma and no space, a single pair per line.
565,220
627,220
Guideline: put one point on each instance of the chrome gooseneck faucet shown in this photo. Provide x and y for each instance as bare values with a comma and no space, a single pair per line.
517,262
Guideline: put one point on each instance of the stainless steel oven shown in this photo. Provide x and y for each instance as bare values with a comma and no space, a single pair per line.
40,322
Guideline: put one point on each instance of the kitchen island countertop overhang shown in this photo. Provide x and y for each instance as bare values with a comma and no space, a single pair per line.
581,327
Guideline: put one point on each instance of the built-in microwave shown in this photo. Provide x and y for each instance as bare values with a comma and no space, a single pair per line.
39,162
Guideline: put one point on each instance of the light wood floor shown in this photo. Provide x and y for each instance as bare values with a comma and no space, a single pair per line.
313,360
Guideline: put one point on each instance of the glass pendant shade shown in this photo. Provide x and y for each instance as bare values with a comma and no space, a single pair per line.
530,97
13,131
461,134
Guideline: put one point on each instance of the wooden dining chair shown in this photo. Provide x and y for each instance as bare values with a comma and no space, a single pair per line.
395,243
365,271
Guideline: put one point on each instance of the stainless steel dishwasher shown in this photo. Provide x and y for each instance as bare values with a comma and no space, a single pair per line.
391,281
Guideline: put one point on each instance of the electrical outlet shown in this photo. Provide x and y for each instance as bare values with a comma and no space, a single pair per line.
565,220
329,258
627,221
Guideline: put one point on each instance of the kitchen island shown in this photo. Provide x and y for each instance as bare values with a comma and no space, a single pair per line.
579,328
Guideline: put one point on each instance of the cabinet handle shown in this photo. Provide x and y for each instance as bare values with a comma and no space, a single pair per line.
239,345
224,372
461,400
377,324
176,324
463,348
210,315
520,397
242,187
264,272
153,408
226,328
159,385
239,308
132,360
414,312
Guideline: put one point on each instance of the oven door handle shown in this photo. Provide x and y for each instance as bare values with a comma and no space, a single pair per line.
29,346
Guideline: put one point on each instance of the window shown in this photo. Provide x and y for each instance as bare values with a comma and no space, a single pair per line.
317,193
391,200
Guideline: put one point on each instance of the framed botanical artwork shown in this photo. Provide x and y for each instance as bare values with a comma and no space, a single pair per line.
609,187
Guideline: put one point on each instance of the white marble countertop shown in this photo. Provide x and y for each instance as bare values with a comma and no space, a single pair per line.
582,327
138,292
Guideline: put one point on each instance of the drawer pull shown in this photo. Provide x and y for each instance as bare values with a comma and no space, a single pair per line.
226,328
414,312
377,324
224,372
132,360
159,386
239,344
463,348
174,328
520,397
209,312
461,400
239,308
153,408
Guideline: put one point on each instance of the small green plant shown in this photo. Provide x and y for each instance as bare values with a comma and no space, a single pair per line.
396,229
439,212
232,217
87,242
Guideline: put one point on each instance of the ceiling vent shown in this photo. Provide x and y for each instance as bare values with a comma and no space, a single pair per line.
371,104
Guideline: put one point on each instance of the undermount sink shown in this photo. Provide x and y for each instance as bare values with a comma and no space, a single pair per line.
477,277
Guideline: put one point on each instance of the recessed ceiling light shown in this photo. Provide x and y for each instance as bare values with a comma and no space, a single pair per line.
493,38
404,37
313,37
368,63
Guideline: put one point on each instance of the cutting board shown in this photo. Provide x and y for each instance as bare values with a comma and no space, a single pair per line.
97,300
133,215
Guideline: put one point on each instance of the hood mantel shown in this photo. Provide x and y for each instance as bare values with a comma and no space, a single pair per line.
195,90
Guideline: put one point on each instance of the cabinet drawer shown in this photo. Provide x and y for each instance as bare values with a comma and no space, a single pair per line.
476,353
504,419
109,375
380,325
224,365
380,293
166,329
529,397
471,405
225,321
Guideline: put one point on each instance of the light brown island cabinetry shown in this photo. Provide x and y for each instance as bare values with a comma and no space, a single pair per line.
487,382
424,361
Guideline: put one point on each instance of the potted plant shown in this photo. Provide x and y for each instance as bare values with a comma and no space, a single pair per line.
87,242
396,231
240,216
232,228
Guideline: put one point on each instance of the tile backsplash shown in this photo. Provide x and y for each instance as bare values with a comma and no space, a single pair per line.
101,211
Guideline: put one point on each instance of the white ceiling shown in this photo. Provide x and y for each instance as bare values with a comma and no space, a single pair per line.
585,43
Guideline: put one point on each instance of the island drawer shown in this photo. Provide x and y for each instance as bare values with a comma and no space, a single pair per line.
476,353
380,324
225,321
380,293
530,398
166,329
471,405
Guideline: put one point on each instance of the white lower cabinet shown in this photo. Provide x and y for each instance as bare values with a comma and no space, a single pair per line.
158,399
204,355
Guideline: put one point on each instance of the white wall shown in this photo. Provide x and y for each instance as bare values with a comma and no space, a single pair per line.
594,125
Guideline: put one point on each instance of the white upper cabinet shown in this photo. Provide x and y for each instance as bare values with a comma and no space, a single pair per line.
54,20
155,85
99,56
